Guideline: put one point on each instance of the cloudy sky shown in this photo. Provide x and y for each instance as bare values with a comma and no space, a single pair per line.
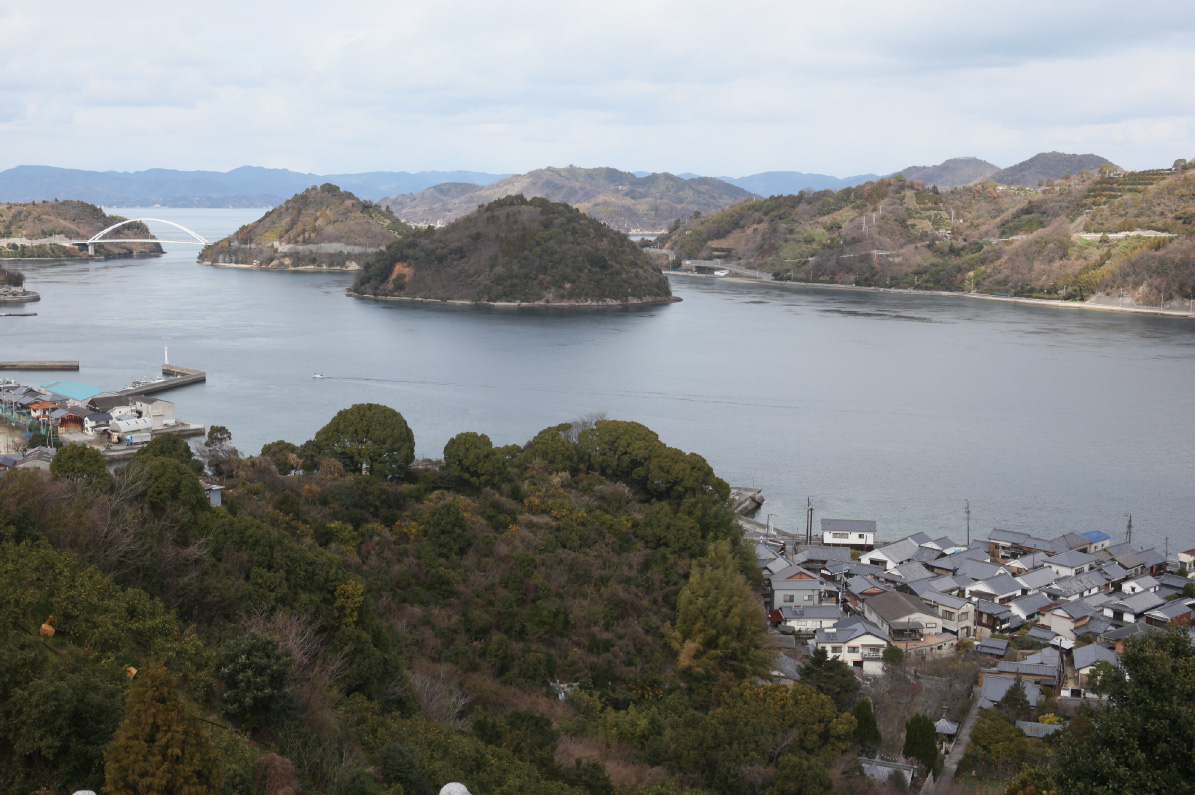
723,88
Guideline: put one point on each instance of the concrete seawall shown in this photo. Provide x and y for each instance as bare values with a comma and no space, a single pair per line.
39,365
178,376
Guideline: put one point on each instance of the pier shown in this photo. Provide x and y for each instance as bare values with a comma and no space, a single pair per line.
745,500
39,365
176,376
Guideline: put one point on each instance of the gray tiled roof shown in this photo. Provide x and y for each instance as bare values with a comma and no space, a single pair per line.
1037,578
1071,559
848,526
913,570
995,647
1031,605
1092,653
1137,603
1001,585
994,688
1077,583
898,551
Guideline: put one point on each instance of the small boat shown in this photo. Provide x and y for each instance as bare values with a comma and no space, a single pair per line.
317,375
721,272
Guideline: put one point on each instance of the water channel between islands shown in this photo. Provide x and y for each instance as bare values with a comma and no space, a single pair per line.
879,406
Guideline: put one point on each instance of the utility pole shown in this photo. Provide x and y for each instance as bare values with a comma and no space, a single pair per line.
1128,536
808,521
968,524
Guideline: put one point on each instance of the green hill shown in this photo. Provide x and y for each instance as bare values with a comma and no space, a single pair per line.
322,227
1071,240
517,250
562,617
35,230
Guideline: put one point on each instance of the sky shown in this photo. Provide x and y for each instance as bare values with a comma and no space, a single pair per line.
717,88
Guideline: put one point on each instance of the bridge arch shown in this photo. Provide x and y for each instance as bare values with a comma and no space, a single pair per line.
198,239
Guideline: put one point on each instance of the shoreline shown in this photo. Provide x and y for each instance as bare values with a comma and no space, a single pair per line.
1137,310
309,268
636,304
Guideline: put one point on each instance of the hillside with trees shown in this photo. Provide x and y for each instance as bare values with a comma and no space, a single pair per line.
516,250
39,230
321,228
630,204
1075,238
1045,166
571,616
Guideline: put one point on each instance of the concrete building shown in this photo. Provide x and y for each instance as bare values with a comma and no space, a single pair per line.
855,533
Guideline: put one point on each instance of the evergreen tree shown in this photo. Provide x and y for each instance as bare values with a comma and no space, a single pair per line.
83,462
719,622
1015,703
831,677
867,731
369,433
159,747
921,741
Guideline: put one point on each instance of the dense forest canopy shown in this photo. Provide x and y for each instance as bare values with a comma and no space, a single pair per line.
516,250
536,618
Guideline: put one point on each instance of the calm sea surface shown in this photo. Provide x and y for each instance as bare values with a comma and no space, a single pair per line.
888,407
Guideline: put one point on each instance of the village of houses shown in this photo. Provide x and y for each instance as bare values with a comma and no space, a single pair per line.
1078,596
66,412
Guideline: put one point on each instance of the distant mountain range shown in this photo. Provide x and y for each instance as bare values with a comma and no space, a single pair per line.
631,204
248,186
625,201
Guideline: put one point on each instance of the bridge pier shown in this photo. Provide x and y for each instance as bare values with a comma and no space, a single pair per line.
91,249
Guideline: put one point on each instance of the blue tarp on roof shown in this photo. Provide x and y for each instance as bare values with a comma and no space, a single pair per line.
72,390
1096,536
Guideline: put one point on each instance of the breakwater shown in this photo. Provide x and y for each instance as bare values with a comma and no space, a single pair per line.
39,365
176,376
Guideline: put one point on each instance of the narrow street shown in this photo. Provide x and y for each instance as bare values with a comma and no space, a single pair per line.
944,782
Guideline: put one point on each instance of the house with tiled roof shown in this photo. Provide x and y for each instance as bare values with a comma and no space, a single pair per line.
991,618
1177,612
1031,606
1131,609
1086,657
1070,563
892,555
852,533
1067,589
958,615
857,642
1001,589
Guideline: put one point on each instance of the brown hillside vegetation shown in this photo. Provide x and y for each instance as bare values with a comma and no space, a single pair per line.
517,250
952,173
619,199
37,230
1022,241
322,227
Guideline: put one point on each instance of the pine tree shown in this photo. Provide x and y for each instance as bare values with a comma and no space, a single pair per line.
1015,702
867,731
830,677
921,741
159,747
719,622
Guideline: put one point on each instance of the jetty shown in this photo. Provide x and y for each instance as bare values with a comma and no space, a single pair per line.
745,500
176,376
39,365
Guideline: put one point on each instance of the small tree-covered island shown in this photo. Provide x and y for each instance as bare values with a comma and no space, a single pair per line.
322,228
517,252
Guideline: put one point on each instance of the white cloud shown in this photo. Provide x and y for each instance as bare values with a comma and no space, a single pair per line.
699,86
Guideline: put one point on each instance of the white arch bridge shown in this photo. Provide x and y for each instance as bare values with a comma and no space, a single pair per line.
195,238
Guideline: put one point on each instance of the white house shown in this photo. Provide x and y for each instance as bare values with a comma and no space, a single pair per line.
958,615
159,412
1131,608
892,555
857,642
858,533
1070,563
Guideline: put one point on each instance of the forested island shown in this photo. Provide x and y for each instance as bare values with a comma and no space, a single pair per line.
1106,235
42,230
517,251
322,228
